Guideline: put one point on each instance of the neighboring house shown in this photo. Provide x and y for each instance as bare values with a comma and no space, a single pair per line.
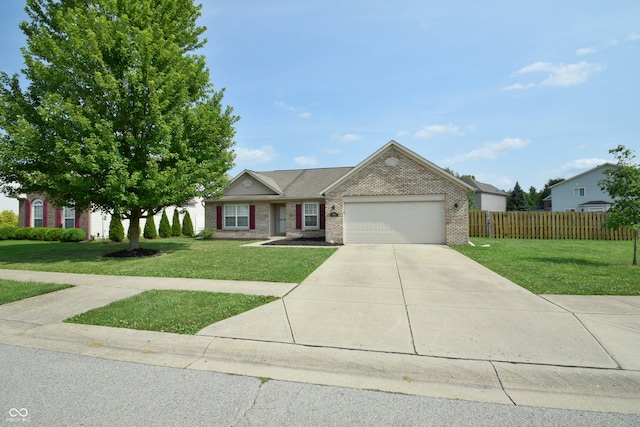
35,211
486,196
393,196
581,193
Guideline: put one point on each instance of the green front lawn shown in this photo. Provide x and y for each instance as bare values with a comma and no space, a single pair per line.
11,291
576,267
180,312
184,257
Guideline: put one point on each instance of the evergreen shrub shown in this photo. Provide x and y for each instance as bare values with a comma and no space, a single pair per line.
116,229
176,229
165,228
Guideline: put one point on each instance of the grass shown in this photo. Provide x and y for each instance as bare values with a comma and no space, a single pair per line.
184,257
573,267
181,312
11,290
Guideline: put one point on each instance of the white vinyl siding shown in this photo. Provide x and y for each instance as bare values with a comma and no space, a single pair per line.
236,216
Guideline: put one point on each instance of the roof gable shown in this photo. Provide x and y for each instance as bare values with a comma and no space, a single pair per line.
252,183
598,168
408,153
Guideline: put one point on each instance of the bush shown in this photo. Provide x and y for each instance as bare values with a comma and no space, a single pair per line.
165,228
8,218
8,232
150,231
206,234
53,234
73,235
38,233
116,229
176,229
24,233
187,225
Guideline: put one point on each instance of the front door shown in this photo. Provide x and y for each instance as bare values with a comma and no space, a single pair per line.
282,220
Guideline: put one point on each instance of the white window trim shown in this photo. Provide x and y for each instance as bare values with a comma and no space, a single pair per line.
579,195
37,203
65,211
236,216
305,215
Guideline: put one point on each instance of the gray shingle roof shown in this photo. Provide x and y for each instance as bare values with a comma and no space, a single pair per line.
305,182
482,187
294,183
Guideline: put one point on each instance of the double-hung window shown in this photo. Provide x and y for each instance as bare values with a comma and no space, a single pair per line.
38,213
69,217
236,216
578,192
311,216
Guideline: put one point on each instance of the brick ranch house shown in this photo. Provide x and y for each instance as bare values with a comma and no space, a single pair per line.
393,196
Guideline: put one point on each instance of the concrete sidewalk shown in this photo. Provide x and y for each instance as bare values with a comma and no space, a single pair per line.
416,319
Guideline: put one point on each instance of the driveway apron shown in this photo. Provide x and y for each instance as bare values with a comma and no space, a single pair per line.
420,299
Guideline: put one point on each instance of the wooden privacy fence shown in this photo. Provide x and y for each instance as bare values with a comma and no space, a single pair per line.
544,225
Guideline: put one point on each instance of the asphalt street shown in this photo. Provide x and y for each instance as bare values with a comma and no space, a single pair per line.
46,388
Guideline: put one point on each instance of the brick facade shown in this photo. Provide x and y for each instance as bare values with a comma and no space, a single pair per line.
406,178
53,217
263,221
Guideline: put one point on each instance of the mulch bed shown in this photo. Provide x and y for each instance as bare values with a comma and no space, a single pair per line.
136,253
303,241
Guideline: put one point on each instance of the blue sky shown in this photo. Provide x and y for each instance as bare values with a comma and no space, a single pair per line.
506,91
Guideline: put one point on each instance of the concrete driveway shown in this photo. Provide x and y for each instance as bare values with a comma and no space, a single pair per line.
430,300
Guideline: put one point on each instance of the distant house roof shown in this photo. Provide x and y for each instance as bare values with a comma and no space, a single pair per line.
595,202
602,166
482,187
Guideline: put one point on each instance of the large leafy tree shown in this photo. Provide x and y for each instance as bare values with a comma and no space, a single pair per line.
119,113
623,185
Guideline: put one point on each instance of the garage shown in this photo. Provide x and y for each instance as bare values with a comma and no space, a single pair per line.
394,219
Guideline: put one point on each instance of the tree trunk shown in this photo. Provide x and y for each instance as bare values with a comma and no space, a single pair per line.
635,248
134,230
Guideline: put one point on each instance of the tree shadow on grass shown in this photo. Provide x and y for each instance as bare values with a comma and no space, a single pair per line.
571,261
25,252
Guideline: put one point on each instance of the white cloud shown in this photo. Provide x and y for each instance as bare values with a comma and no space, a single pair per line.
347,137
611,43
558,74
300,112
305,161
585,51
402,133
251,156
583,164
490,150
433,130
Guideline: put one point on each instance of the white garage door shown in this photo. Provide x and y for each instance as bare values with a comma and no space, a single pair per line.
394,221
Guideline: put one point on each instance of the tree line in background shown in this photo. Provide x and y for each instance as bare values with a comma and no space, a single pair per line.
165,230
519,200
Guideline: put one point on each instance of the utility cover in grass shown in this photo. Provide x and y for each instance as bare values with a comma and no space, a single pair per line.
180,312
